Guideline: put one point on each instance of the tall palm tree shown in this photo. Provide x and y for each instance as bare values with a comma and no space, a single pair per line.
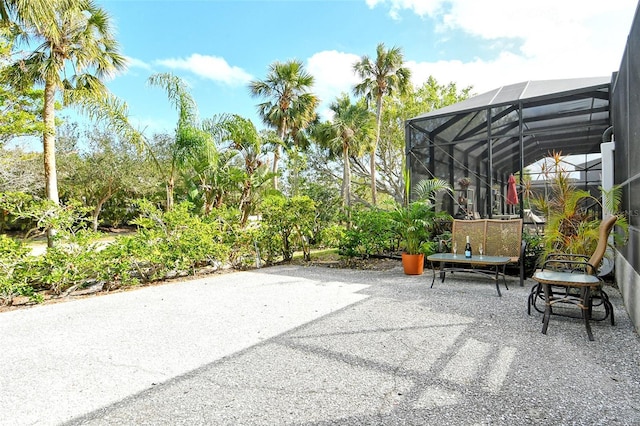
68,35
380,77
346,134
289,101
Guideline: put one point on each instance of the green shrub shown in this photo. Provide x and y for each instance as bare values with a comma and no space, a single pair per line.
245,252
332,235
118,261
14,270
533,252
371,233
287,224
175,242
166,245
72,262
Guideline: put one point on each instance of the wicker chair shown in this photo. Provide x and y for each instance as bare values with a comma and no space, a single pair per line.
572,279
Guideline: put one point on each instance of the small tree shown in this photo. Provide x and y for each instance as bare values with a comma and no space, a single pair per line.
287,223
96,176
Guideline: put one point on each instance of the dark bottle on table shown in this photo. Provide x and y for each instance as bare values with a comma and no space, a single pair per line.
467,249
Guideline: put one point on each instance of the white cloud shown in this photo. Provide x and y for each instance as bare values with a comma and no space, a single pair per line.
333,73
210,67
552,38
137,63
419,7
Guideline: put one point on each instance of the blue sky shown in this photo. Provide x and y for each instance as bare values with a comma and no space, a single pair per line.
218,46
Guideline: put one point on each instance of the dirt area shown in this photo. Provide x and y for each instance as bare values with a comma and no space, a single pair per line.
371,263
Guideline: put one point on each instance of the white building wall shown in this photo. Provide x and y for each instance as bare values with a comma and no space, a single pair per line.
627,280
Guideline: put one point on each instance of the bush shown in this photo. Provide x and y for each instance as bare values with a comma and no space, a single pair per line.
287,224
14,270
533,252
72,262
371,233
171,243
332,235
166,245
245,251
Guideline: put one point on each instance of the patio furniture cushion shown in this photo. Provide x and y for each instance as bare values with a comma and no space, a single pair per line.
498,238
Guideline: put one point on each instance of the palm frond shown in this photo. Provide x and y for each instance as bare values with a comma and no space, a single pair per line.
427,189
612,198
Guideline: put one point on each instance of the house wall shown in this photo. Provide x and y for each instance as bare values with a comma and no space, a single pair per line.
625,108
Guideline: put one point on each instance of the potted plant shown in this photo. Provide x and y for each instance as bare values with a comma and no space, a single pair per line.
414,223
410,224
571,227
464,182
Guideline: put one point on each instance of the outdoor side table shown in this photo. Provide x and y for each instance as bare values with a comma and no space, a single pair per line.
477,264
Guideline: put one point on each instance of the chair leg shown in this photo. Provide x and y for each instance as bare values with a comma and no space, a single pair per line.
547,310
608,307
534,295
586,310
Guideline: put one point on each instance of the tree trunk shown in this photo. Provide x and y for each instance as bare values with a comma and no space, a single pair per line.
98,209
208,206
219,200
49,144
49,150
276,158
372,163
245,204
170,186
346,177
96,214
286,251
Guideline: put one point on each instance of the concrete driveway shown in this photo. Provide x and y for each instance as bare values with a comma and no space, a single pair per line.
315,346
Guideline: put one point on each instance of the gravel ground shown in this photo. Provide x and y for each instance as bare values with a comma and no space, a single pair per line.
295,345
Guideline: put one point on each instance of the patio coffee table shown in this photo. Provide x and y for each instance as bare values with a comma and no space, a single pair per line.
476,264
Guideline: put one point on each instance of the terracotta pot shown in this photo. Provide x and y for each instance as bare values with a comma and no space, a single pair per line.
413,264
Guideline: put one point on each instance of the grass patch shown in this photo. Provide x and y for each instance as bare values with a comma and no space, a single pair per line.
320,255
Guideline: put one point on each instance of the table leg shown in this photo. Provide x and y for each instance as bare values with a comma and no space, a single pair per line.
498,281
433,268
504,279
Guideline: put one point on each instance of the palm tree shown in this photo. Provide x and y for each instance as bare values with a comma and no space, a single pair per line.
23,15
289,102
346,134
380,77
76,36
245,139
69,36
189,136
209,176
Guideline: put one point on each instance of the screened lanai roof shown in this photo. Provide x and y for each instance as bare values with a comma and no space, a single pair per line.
531,118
